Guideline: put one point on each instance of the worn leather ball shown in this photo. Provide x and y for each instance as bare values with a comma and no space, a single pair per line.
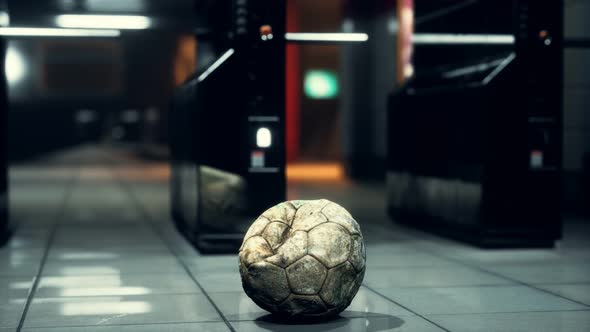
303,259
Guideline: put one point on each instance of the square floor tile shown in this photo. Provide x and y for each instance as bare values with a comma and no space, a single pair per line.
11,309
576,292
545,273
83,311
220,282
112,253
8,254
115,285
163,265
565,321
457,300
11,288
406,259
120,245
17,255
214,263
28,242
185,327
238,306
19,268
519,256
105,240
430,277
372,324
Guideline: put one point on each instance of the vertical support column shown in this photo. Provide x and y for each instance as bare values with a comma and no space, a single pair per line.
405,19
4,224
539,56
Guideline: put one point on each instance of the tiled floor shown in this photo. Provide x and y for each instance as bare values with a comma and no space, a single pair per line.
95,251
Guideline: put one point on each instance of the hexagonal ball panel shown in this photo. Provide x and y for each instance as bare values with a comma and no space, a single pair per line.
310,207
268,283
332,209
306,276
275,233
339,284
358,253
337,214
330,244
283,212
292,249
302,305
307,222
254,250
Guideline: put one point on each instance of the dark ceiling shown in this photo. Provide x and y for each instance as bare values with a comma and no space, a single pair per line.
166,14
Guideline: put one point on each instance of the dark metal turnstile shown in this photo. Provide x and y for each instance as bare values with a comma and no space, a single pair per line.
227,125
475,149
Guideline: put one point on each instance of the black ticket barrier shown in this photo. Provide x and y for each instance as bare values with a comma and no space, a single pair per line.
475,147
227,125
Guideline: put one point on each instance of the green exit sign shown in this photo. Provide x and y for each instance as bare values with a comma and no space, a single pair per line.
320,84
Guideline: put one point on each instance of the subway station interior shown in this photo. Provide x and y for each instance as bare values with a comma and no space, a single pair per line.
140,139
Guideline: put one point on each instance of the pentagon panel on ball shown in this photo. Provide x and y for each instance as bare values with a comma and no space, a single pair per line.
303,259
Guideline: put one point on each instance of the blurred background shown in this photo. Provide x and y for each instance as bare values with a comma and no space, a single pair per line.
469,114
118,90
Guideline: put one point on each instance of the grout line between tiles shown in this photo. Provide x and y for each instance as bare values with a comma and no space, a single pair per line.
508,312
59,213
149,220
129,324
406,308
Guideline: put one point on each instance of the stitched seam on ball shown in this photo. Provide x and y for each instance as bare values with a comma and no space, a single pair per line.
285,300
268,243
349,232
289,282
264,259
319,260
324,283
323,222
294,208
306,249
327,203
321,288
280,221
261,231
352,249
280,242
284,235
287,279
344,228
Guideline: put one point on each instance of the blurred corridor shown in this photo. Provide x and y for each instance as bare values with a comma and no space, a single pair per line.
139,140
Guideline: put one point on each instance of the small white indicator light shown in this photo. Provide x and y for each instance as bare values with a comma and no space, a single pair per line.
263,138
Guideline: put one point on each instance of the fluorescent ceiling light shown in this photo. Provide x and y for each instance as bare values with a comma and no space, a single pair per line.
326,37
122,6
56,32
133,22
453,39
216,64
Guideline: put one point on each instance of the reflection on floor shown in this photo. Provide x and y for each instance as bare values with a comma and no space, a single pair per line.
95,251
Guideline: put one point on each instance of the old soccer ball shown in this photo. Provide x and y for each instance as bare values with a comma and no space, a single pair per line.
303,259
